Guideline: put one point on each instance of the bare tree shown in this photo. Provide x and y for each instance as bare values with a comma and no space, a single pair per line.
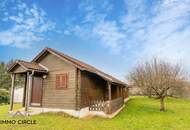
156,78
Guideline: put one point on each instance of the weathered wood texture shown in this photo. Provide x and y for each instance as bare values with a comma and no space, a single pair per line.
58,98
24,91
116,91
36,90
30,89
27,92
78,89
92,88
12,91
108,107
97,105
19,69
114,105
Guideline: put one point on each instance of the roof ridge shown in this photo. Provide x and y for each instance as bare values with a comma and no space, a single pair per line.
85,65
27,65
71,57
29,62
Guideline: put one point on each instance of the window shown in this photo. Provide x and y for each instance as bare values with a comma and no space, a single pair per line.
61,81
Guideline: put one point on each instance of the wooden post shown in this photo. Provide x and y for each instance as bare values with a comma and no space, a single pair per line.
24,91
109,91
29,90
109,98
78,89
26,98
12,91
30,79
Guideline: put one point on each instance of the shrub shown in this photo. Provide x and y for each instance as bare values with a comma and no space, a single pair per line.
4,96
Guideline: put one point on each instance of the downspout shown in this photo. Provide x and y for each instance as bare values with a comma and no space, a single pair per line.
30,86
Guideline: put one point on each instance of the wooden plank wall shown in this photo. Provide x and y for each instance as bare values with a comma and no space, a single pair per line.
58,98
92,88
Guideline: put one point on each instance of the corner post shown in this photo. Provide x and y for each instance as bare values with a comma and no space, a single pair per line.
26,96
24,91
78,89
12,91
109,91
108,106
28,90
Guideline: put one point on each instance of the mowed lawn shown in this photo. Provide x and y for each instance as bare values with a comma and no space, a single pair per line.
140,113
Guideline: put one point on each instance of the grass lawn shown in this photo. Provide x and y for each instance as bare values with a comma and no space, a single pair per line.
140,113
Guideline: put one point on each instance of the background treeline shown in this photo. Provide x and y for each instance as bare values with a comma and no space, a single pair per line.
5,82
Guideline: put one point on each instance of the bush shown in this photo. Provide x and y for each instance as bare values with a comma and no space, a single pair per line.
4,96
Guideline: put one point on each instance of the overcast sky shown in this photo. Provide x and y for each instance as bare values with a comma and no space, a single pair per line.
112,35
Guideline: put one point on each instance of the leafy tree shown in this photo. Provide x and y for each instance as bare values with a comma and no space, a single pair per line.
5,81
5,78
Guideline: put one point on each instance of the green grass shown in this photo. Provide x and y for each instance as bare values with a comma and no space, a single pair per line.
140,113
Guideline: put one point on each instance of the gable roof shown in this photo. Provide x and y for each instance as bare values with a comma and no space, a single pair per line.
79,64
27,66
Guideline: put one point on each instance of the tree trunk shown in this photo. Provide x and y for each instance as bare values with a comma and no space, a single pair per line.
162,107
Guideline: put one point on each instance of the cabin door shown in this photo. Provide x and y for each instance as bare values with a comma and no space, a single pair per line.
36,96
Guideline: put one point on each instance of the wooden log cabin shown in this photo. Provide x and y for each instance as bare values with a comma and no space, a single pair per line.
54,80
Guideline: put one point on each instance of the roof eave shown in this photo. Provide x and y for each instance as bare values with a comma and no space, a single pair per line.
76,65
14,64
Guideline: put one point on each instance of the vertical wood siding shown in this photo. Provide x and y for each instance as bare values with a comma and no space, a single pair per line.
58,98
92,88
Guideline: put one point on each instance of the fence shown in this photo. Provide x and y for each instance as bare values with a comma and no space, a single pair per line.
97,105
107,106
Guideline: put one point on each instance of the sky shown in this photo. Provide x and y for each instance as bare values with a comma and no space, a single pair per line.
112,35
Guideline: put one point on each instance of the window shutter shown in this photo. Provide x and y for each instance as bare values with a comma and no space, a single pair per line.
62,81
57,81
67,80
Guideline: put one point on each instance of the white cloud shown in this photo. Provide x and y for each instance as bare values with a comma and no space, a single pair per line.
146,29
66,32
166,34
28,25
108,33
95,25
